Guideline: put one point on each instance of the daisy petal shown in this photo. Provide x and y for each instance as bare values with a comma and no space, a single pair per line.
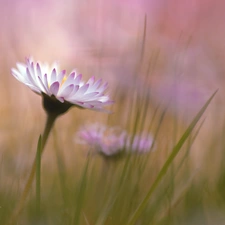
66,91
54,88
53,76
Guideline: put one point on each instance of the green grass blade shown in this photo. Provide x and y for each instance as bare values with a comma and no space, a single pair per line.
80,195
192,139
158,127
61,165
168,162
106,210
38,177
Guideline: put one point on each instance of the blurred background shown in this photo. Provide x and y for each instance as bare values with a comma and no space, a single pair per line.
182,42
174,48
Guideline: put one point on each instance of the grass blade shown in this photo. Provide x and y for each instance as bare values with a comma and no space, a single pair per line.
168,162
38,177
80,195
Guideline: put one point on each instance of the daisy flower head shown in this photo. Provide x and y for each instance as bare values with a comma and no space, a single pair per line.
59,90
104,140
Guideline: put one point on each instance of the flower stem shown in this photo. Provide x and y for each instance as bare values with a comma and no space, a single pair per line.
48,126
38,178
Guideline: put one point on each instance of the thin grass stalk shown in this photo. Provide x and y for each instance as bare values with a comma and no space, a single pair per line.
85,218
177,199
120,186
80,195
142,50
132,111
145,108
19,207
124,171
61,169
145,90
138,67
106,210
38,179
168,162
192,139
158,127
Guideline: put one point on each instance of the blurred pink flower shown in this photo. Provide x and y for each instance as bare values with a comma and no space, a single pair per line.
48,81
114,140
104,140
140,144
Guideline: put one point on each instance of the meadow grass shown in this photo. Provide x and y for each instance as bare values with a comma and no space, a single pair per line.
153,188
179,181
74,188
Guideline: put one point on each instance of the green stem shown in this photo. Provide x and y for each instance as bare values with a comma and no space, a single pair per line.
48,126
38,178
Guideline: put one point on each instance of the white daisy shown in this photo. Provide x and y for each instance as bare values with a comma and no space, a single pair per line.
61,89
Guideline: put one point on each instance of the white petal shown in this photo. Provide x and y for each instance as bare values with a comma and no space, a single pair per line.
61,76
95,86
21,67
38,68
30,77
42,86
103,87
72,94
66,91
18,75
61,99
31,68
53,76
78,79
54,88
82,90
45,81
91,80
34,88
69,80
90,96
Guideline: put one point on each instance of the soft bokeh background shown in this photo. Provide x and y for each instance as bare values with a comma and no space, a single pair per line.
183,46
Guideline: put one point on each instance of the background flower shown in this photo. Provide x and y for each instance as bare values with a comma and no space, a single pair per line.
102,139
140,143
112,140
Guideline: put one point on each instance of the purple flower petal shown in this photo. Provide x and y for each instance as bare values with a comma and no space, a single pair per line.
69,79
42,86
61,76
39,71
54,88
53,76
66,91
78,79
91,80
82,89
